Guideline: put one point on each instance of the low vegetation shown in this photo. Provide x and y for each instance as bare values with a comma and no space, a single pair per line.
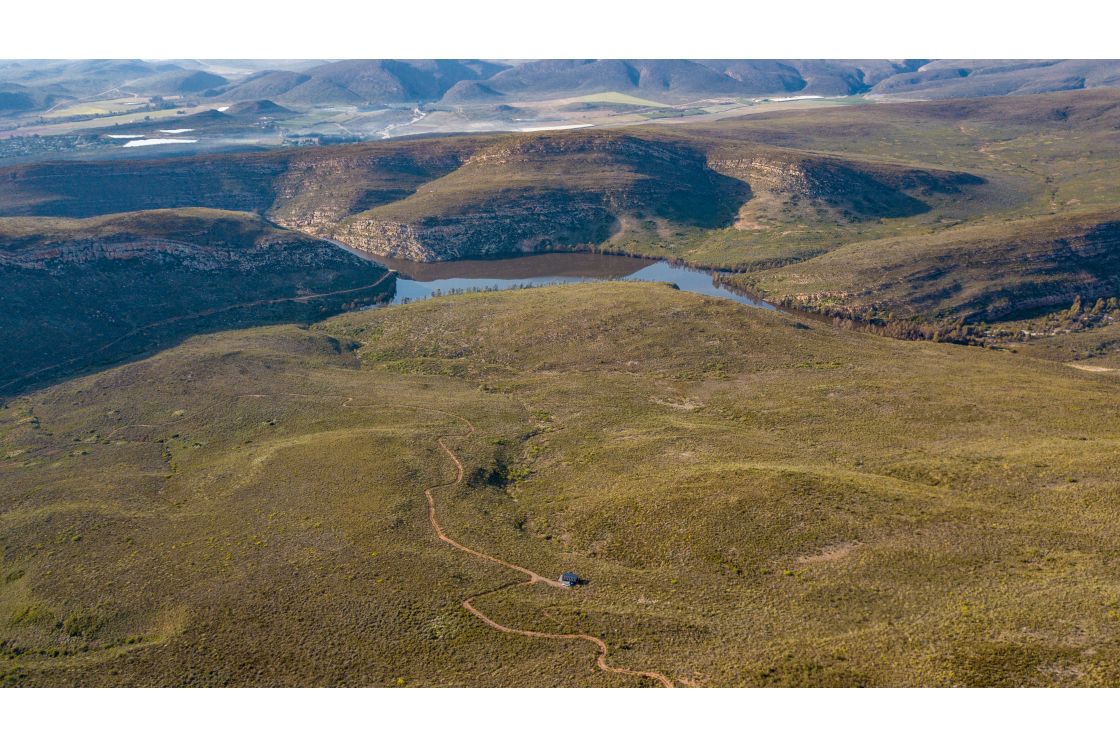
990,271
86,293
755,499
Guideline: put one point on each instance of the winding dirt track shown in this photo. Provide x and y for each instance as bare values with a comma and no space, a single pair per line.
533,577
468,604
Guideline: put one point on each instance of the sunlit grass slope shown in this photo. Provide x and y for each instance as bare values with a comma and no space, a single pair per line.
756,500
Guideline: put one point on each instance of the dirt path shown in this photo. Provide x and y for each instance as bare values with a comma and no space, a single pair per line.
601,660
533,577
1090,368
468,604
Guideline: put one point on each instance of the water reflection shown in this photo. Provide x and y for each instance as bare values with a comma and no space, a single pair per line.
420,280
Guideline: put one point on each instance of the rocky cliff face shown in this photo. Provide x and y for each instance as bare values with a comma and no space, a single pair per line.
524,223
446,198
54,255
319,190
82,293
385,239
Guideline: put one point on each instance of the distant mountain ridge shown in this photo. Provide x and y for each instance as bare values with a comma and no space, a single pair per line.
362,82
36,84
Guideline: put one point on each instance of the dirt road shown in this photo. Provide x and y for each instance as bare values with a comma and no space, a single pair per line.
533,576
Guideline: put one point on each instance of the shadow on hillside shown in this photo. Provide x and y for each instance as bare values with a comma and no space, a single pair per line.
147,341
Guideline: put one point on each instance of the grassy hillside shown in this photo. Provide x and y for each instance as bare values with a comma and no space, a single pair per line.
1050,152
1034,237
86,293
755,500
984,271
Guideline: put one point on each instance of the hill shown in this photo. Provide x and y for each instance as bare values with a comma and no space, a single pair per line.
637,191
874,512
893,211
974,78
80,78
86,293
259,108
989,271
180,82
660,79
15,98
535,193
481,85
265,84
688,80
361,82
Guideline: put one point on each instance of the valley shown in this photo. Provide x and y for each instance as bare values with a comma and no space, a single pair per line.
755,500
821,393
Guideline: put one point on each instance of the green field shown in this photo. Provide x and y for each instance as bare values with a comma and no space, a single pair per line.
103,107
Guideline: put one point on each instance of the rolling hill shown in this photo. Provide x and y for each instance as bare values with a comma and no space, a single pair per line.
15,98
637,191
361,82
896,211
989,271
975,78
218,467
86,293
180,82
685,80
248,508
480,85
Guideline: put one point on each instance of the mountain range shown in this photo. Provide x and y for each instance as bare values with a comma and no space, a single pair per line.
27,86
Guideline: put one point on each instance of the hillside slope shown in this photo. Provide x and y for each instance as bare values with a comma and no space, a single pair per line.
989,271
653,192
360,82
86,293
873,512
942,79
535,193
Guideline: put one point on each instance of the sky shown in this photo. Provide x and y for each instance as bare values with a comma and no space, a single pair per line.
517,29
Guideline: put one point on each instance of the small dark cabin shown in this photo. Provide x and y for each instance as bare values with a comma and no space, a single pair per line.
570,579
